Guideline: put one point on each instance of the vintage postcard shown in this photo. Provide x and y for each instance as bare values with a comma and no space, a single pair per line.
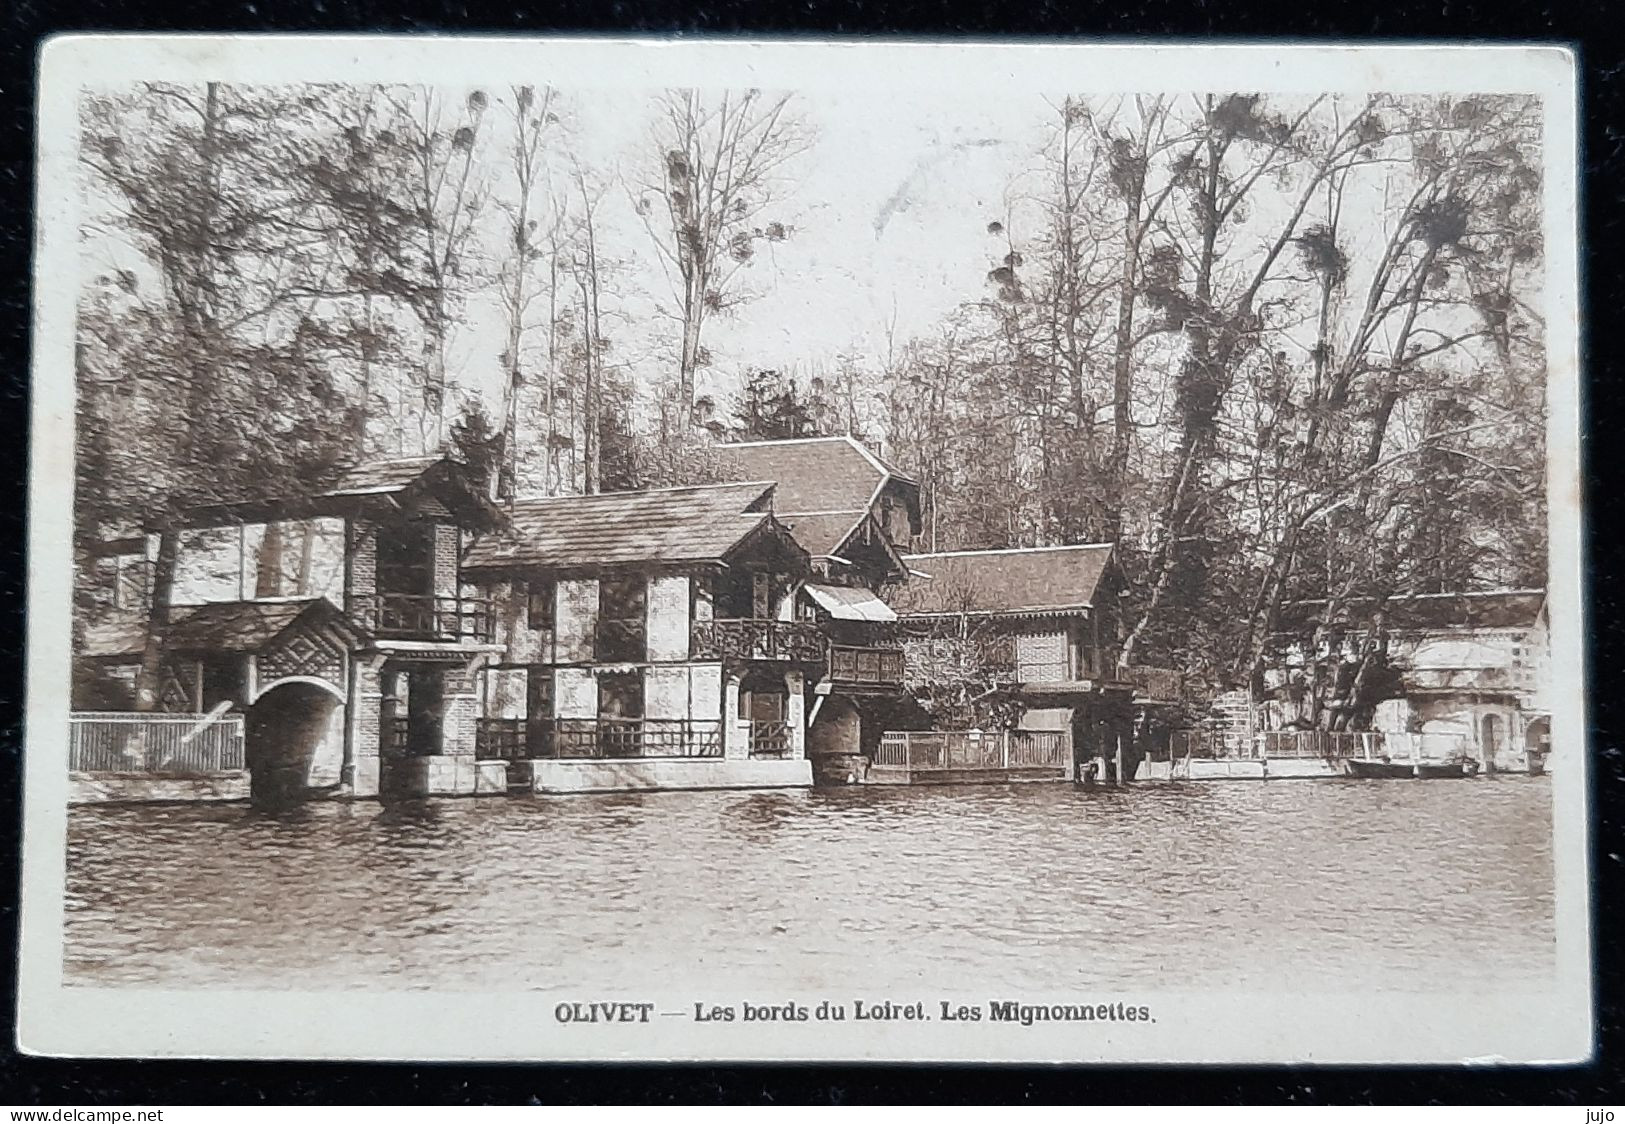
768,550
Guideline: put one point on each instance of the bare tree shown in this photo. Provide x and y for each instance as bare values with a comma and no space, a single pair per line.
721,166
526,253
445,193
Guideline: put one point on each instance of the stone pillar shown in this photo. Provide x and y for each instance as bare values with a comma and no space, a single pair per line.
735,740
795,714
364,737
459,707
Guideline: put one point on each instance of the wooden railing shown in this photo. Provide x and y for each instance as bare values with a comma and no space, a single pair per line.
155,744
596,738
1367,745
741,638
865,667
769,738
938,750
501,739
413,616
1328,744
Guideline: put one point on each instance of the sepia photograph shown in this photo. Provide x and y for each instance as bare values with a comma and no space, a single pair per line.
727,550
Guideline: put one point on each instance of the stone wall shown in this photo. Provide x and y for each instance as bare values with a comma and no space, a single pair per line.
117,788
667,773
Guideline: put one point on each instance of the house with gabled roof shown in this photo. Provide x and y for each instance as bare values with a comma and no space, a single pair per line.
851,509
364,678
855,513
649,641
1040,624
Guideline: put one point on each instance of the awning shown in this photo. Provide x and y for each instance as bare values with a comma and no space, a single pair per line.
848,604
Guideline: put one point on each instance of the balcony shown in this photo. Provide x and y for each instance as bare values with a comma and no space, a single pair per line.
743,639
412,616
511,739
866,667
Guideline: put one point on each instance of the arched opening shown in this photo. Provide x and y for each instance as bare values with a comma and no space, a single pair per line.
289,728
1537,742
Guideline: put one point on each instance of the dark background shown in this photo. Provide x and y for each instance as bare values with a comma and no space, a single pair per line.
1590,27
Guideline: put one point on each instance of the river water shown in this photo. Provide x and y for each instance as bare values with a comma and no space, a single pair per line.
1392,885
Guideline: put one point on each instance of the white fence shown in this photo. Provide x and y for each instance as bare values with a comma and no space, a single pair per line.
926,750
163,744
1368,745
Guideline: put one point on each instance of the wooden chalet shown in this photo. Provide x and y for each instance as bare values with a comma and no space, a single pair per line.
649,640
1041,623
854,513
364,678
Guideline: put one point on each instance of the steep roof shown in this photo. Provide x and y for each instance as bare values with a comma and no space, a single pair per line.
434,478
1031,580
813,474
825,487
219,626
1495,608
241,626
661,526
822,534
381,477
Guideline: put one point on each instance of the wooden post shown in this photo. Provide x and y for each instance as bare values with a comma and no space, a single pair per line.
1004,749
1416,755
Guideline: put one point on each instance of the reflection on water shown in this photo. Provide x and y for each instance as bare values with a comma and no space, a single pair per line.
1350,885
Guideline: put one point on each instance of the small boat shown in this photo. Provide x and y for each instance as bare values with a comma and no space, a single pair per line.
1424,770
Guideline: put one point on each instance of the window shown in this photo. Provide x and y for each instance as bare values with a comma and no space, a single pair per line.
406,559
622,632
540,604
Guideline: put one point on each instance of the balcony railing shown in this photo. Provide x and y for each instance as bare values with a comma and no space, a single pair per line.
769,738
413,616
756,639
596,738
866,667
501,739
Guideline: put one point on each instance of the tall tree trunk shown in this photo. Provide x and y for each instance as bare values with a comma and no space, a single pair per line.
307,556
148,682
268,572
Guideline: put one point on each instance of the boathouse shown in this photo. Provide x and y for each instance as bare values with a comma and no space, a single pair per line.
648,640
354,672
1041,625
